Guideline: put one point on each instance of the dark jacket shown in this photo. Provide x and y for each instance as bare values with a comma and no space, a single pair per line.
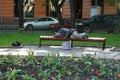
65,32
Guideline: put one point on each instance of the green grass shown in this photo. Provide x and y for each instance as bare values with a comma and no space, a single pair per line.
6,39
112,39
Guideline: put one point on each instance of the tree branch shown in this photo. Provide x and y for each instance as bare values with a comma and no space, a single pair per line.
61,4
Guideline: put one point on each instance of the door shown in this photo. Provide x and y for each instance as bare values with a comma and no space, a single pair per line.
78,9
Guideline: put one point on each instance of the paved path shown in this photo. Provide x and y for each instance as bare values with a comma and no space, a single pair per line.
45,50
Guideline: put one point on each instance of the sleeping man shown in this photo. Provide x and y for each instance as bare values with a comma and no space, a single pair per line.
70,33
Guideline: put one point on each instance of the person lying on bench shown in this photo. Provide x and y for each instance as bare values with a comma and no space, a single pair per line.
70,33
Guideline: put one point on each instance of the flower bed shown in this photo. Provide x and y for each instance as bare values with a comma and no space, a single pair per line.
58,68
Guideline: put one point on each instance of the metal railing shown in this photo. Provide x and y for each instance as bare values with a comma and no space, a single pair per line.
9,28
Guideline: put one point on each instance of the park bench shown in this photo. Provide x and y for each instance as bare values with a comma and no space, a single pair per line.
90,39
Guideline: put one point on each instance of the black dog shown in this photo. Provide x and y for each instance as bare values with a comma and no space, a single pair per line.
16,43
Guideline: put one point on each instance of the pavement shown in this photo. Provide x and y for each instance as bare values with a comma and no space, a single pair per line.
108,53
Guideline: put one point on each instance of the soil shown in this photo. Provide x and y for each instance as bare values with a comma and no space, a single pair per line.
58,68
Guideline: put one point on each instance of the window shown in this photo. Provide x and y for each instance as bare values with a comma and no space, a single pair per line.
97,2
28,8
49,19
41,19
16,12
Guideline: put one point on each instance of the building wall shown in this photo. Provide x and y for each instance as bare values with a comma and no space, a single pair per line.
8,8
110,9
107,8
85,13
0,7
8,12
86,8
66,10
40,10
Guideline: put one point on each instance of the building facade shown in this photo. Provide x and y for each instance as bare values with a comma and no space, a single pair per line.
87,8
36,8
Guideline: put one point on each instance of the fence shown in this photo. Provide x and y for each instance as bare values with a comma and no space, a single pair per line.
9,28
9,24
15,29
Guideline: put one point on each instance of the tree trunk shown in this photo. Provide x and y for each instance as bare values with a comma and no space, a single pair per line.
57,7
47,8
72,10
20,13
58,12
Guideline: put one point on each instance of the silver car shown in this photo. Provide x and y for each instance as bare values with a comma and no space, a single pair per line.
40,23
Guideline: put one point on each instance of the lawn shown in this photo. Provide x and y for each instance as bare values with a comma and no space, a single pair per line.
6,39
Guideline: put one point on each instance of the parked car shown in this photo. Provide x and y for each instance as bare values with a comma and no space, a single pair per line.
57,26
116,26
98,22
40,23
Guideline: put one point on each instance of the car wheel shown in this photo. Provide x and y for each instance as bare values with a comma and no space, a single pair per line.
29,28
86,29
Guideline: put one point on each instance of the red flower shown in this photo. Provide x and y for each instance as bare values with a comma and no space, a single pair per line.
98,74
32,75
52,77
95,53
118,75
